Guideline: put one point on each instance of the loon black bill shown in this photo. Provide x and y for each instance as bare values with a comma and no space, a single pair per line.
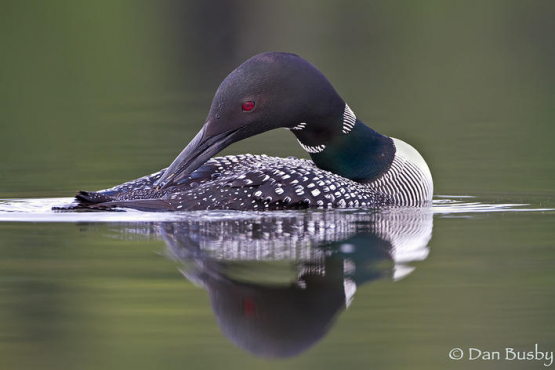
199,150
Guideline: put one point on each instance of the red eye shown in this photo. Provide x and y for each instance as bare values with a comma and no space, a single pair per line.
248,106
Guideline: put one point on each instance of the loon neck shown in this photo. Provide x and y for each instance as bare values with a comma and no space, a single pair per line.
362,154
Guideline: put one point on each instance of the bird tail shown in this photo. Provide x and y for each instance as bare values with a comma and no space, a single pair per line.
92,197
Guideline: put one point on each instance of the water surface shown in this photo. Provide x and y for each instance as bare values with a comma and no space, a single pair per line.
233,289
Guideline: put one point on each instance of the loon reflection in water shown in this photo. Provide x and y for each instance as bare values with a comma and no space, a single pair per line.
278,281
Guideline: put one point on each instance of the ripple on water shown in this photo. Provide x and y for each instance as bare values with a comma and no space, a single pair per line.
40,210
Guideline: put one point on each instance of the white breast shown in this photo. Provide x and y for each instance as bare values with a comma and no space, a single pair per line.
409,181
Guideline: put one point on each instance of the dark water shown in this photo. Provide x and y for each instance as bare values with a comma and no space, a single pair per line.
93,94
377,288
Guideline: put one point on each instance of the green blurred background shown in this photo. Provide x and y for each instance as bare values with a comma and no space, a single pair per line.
96,93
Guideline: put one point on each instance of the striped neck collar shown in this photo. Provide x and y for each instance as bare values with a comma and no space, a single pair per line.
348,123
360,153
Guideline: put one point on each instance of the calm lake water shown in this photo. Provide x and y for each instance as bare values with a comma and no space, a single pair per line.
375,288
93,94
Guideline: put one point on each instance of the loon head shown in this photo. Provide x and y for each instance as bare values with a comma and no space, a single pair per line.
268,91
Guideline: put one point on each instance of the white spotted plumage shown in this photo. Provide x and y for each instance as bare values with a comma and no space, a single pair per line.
260,182
256,182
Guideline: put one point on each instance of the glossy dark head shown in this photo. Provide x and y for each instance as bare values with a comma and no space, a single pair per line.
268,91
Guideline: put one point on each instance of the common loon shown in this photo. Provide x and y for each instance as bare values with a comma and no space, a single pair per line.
352,165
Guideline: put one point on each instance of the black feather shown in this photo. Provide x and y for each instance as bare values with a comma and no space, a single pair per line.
244,182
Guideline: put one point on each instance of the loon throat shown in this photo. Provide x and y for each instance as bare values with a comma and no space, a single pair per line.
353,150
385,164
362,155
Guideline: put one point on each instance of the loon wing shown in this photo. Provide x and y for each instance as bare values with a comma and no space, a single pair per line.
140,194
270,183
245,182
